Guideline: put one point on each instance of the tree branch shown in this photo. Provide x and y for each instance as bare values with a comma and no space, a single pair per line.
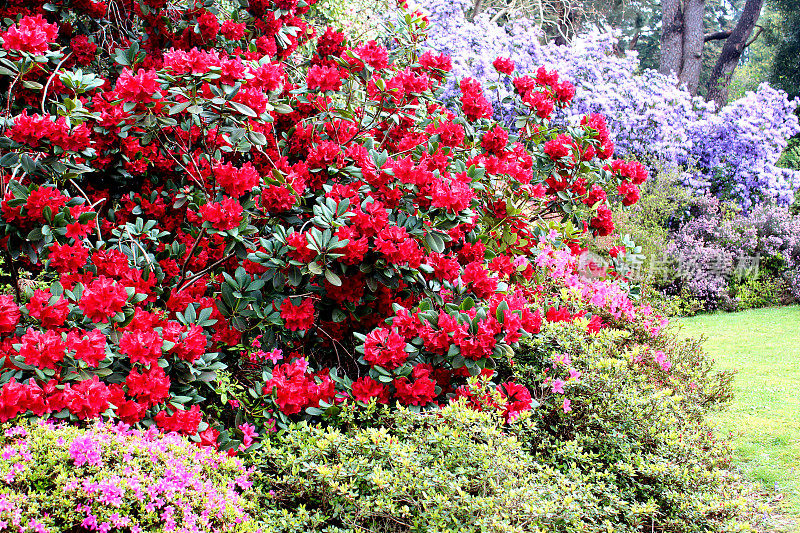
758,32
717,36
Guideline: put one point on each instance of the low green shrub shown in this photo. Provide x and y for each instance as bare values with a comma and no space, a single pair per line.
755,292
635,425
453,470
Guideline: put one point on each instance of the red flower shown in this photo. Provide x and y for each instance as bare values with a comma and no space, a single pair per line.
420,392
51,315
237,181
83,49
187,423
365,388
603,223
223,215
208,437
42,349
88,398
473,102
90,348
478,280
298,317
30,34
65,258
301,252
208,23
504,65
386,348
150,387
233,31
138,87
518,399
142,346
323,78
539,101
629,193
102,299
11,399
9,313
495,140
559,148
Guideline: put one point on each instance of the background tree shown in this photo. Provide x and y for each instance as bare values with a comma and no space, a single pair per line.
735,44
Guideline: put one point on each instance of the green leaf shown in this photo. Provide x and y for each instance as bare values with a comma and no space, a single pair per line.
333,279
243,109
435,242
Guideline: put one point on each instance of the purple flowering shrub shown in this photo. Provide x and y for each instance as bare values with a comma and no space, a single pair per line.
720,254
111,478
732,153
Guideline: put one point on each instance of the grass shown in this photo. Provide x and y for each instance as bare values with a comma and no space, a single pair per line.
763,346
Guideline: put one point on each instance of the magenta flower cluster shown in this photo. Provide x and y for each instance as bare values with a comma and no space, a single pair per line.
113,478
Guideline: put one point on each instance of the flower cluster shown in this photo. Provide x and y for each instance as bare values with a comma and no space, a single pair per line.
211,206
112,478
731,152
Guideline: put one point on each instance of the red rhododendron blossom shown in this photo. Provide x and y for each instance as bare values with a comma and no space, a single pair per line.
138,87
419,392
373,54
431,61
208,24
237,181
559,148
478,280
184,422
102,299
223,215
189,344
67,258
12,395
298,317
504,65
142,346
90,347
42,349
494,140
565,91
83,49
149,387
386,348
87,399
301,252
233,31
473,102
9,313
629,193
365,388
33,129
632,170
295,388
323,78
541,102
518,399
603,223
31,34
52,315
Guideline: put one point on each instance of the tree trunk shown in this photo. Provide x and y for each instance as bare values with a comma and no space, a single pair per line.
682,40
693,39
671,37
476,9
722,73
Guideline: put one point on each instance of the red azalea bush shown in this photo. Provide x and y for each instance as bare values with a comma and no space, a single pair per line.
230,220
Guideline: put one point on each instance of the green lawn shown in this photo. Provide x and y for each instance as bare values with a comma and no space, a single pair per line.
763,346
